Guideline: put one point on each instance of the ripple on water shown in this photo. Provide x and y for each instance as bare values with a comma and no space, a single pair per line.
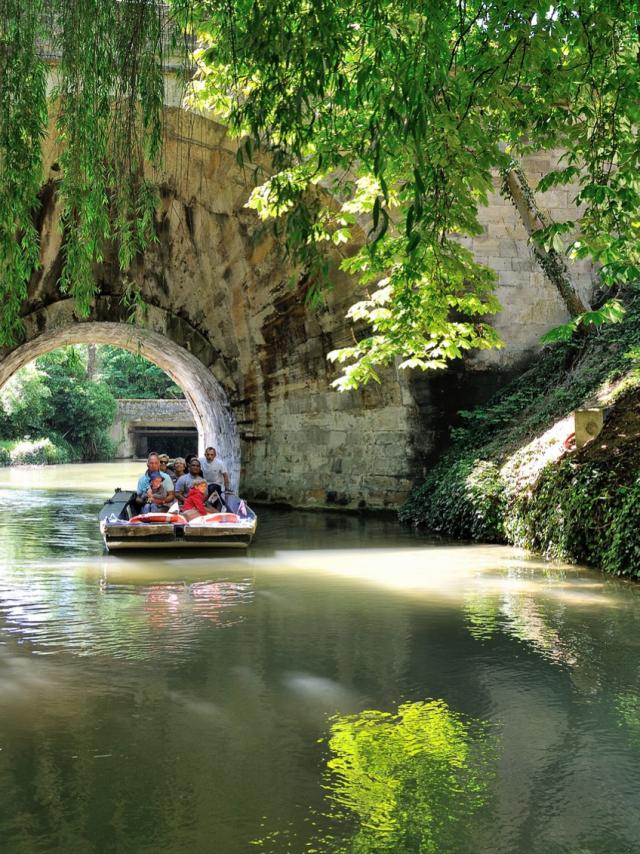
41,527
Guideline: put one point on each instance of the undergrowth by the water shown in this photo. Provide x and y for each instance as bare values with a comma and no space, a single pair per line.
582,506
42,451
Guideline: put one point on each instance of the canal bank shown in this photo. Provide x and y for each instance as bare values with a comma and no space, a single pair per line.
513,474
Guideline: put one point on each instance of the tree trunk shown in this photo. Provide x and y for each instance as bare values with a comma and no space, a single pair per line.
517,188
91,362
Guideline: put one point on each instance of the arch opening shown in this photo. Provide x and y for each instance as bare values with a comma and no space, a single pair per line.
203,393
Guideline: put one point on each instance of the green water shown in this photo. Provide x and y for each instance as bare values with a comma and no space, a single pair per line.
171,703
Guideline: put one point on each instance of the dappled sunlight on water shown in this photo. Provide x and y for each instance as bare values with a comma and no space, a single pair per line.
172,702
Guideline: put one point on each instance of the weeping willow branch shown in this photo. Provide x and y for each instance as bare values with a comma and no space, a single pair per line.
23,120
107,97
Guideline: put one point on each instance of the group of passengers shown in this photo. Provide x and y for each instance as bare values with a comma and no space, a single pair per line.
191,486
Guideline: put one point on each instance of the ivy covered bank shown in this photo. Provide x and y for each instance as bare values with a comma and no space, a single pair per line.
508,476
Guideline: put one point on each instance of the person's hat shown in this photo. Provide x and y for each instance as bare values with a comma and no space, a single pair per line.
164,458
155,476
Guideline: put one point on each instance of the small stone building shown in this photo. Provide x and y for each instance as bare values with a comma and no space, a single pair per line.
142,426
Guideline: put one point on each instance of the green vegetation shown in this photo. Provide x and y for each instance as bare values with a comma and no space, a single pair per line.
131,375
59,408
105,111
581,506
396,115
53,412
38,452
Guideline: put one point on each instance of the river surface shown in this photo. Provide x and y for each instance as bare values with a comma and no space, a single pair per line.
178,703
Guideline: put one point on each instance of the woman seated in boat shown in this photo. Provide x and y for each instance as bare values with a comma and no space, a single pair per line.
177,469
158,499
185,481
164,463
194,504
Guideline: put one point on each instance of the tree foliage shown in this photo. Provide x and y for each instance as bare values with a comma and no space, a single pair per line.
53,397
105,111
128,374
402,110
386,117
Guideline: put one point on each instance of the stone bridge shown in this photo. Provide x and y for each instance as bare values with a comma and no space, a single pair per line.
219,315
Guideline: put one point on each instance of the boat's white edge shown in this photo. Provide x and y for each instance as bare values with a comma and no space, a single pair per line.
121,545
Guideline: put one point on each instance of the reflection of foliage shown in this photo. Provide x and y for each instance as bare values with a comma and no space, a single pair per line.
482,616
411,779
406,782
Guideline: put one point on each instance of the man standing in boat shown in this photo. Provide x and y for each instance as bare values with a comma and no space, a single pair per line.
153,466
215,473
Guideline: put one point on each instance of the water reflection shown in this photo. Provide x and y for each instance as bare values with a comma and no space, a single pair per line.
119,620
170,605
411,781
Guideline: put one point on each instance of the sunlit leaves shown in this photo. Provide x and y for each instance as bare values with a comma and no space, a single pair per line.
611,312
421,315
406,110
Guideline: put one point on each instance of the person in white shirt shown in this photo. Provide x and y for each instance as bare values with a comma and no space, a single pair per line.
215,472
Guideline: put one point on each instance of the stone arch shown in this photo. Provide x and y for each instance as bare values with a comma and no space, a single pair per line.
165,339
217,284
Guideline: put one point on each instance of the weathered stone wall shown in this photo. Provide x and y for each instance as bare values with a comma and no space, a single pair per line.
217,287
132,413
531,304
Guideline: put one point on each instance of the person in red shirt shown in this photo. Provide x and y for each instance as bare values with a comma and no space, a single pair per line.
194,503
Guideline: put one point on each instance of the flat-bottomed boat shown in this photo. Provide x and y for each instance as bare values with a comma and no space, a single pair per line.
122,528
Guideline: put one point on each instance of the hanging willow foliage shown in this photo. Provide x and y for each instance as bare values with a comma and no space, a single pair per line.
23,119
105,61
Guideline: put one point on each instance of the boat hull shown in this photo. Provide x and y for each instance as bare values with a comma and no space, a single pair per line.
121,545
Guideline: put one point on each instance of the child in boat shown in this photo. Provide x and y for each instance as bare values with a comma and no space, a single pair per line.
156,495
194,504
